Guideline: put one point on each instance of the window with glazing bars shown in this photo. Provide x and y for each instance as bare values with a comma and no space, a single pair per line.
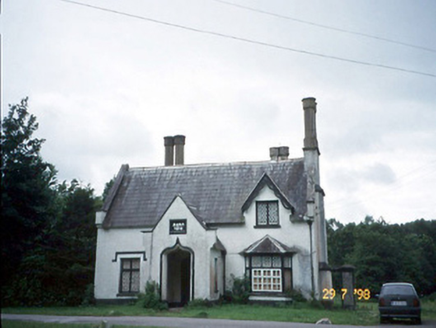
129,280
266,280
267,213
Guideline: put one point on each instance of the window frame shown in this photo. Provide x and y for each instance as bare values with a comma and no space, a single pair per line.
131,270
266,277
268,224
284,267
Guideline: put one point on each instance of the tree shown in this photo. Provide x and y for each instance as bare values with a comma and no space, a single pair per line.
48,232
26,189
108,186
70,247
385,253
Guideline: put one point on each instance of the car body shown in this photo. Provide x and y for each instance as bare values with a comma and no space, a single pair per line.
399,300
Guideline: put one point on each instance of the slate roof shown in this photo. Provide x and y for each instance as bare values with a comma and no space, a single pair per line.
215,193
269,245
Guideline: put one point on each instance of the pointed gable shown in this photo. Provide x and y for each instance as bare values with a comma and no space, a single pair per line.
269,245
189,208
267,181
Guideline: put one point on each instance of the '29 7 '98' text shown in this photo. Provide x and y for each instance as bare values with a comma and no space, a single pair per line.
330,293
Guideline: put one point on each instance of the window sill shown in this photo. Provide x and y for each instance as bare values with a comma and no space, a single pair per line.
268,293
277,226
269,298
133,294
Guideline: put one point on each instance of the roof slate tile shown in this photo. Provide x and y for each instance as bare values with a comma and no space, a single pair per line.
217,191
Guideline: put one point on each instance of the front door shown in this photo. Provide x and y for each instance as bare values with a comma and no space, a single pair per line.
178,277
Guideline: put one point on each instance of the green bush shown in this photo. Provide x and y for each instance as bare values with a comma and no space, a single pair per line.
240,290
151,298
88,298
431,297
296,296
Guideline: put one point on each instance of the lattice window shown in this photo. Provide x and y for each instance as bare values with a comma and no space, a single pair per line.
262,214
276,262
266,261
256,261
287,262
267,213
130,275
273,213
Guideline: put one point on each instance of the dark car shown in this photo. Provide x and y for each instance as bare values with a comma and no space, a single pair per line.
399,300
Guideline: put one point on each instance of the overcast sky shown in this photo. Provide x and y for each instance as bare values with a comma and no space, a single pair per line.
107,87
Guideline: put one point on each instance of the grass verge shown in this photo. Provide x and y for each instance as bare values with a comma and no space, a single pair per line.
365,314
24,324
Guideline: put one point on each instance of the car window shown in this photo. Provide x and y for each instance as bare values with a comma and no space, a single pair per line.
398,290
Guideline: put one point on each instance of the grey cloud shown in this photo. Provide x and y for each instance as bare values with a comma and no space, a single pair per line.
378,173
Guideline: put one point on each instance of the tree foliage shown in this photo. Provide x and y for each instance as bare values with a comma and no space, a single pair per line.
48,234
26,188
386,253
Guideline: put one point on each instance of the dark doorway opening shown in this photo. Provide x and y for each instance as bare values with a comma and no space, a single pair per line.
178,277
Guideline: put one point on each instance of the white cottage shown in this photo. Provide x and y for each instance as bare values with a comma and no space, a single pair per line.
192,228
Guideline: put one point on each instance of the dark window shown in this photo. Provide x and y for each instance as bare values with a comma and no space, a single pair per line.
216,274
267,213
398,290
129,280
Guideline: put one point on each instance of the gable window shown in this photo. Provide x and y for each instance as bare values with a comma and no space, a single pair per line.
267,214
129,278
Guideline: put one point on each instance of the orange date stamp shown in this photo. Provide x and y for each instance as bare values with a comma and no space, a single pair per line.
361,294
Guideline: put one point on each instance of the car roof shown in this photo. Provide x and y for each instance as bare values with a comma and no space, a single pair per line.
398,284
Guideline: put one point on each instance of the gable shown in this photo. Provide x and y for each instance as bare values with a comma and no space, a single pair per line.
267,181
269,245
215,193
177,210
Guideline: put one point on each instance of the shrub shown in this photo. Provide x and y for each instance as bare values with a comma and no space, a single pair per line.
151,298
431,297
296,295
88,297
240,290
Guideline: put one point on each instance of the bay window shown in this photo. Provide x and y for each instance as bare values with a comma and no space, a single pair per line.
269,273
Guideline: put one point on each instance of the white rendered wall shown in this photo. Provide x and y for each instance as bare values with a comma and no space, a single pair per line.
200,241
237,238
197,239
107,272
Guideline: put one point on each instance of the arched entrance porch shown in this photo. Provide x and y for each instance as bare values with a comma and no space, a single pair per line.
177,275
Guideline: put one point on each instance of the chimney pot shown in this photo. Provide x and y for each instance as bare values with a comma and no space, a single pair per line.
274,153
310,139
279,153
179,142
169,151
283,152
